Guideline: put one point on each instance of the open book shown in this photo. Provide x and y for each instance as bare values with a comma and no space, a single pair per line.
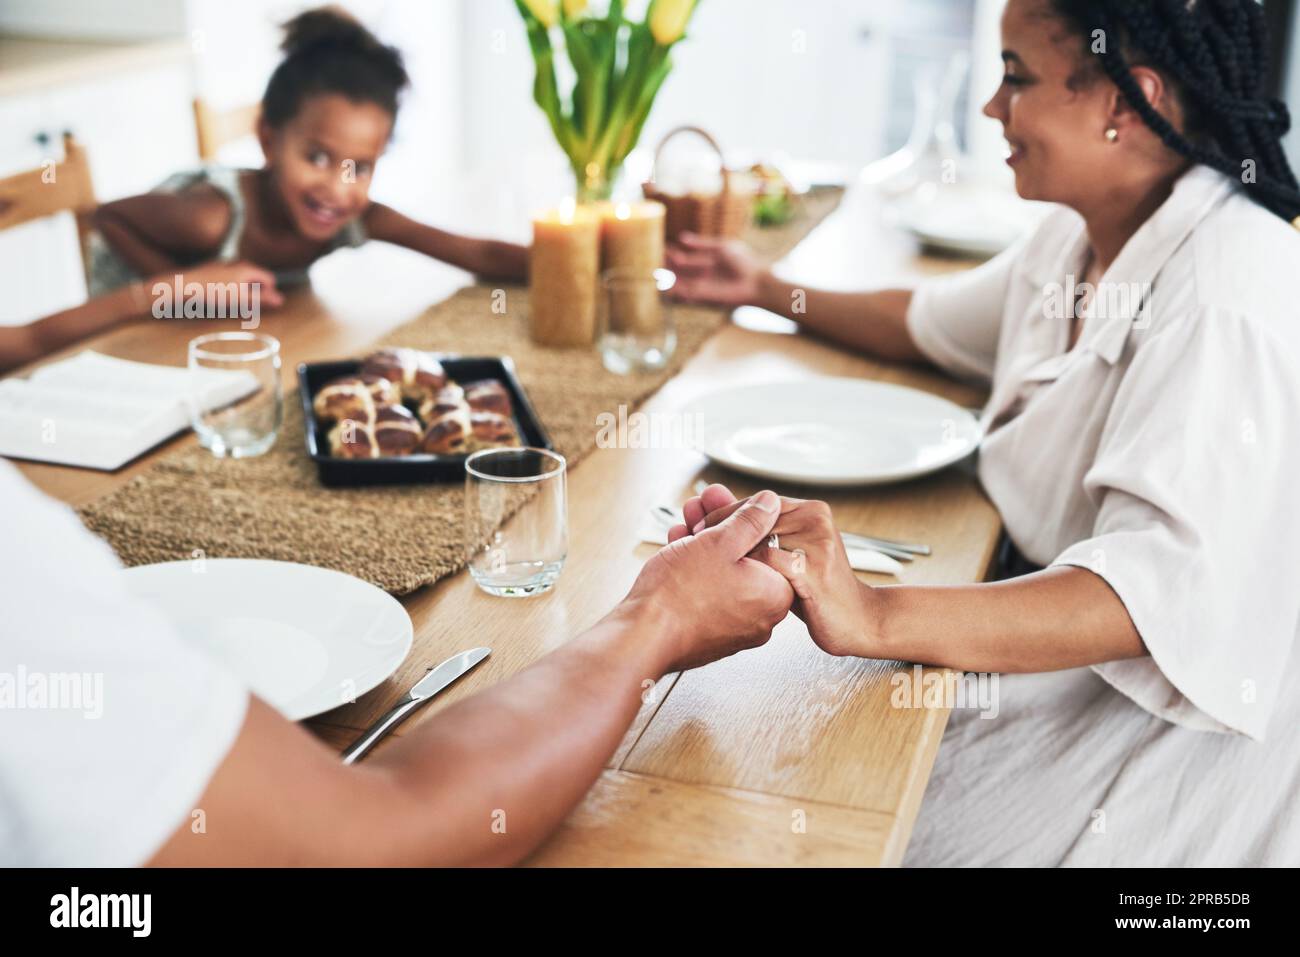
99,412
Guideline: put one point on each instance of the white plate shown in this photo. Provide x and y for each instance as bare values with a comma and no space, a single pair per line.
832,432
305,639
970,221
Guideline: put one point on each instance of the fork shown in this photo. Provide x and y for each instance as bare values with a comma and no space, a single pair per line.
670,517
901,550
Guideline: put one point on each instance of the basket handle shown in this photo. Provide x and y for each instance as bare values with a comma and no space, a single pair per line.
704,134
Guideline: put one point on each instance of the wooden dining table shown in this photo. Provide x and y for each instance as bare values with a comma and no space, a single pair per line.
782,755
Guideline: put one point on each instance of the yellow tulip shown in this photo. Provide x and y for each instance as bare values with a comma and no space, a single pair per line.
547,11
574,7
668,18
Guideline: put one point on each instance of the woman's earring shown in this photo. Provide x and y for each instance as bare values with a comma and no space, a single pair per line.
1112,135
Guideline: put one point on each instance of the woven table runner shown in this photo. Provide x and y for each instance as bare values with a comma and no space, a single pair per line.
400,537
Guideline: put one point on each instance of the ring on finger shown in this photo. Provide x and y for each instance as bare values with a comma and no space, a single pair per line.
774,542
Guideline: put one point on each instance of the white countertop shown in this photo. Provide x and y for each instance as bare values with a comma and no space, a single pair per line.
28,64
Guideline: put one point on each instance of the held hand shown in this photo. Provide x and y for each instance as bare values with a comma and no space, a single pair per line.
842,614
715,272
712,598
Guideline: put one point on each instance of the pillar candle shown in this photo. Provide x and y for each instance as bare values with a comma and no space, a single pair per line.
632,243
563,270
632,236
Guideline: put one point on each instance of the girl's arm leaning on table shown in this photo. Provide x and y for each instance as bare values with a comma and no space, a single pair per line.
20,345
723,272
1061,617
157,232
160,232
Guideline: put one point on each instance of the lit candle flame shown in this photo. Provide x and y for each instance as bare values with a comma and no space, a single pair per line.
568,207
622,211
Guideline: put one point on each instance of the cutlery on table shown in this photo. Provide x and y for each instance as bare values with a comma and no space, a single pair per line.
860,541
903,551
423,691
861,559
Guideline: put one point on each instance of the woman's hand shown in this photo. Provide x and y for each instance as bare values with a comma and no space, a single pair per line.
842,614
715,272
710,599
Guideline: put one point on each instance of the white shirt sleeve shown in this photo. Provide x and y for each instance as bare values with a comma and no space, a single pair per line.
110,724
1198,521
956,319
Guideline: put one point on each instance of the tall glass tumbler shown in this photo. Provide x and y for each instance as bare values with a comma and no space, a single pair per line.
516,520
637,333
236,400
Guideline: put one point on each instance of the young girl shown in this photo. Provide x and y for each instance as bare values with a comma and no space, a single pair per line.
327,116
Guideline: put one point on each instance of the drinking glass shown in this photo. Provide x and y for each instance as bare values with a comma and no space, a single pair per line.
516,520
636,326
241,372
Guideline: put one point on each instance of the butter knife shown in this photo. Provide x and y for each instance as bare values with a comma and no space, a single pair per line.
425,689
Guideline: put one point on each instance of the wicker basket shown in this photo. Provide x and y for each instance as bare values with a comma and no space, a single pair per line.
726,213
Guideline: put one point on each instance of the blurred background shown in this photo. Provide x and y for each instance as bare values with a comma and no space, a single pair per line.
826,89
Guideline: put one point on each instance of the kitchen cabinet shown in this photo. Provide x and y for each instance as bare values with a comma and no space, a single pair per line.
131,107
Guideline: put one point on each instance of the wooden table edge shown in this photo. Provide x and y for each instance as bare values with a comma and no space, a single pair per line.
639,820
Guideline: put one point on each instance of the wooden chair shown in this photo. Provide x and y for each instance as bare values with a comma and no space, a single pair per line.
216,127
53,188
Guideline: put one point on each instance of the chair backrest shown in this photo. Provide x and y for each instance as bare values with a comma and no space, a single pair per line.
216,128
55,187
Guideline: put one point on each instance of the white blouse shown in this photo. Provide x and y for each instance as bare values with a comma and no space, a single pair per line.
1162,453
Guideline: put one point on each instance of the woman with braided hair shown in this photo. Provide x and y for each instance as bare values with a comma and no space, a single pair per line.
1141,442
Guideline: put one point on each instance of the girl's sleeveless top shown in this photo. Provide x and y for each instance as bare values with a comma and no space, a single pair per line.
108,271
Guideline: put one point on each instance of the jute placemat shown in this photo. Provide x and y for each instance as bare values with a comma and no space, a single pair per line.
398,537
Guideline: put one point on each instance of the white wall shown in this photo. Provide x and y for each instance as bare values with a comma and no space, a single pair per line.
236,46
93,19
984,141
769,76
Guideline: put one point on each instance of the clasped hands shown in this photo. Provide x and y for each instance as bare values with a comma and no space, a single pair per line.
724,588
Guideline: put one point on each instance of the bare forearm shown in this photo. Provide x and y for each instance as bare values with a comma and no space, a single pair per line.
143,256
486,258
20,345
1062,617
493,775
496,259
871,322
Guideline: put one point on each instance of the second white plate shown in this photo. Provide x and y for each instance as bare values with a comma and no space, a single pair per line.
832,432
305,639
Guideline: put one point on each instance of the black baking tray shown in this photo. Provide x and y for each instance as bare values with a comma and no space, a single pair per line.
335,472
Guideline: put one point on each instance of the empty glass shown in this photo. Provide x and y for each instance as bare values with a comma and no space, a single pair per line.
516,520
236,402
636,326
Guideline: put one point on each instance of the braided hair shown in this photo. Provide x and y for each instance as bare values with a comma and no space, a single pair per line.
1216,52
328,51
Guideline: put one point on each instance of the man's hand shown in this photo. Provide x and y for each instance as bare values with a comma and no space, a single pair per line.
713,600
842,614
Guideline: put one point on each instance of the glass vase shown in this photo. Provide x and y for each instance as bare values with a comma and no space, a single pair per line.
595,182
